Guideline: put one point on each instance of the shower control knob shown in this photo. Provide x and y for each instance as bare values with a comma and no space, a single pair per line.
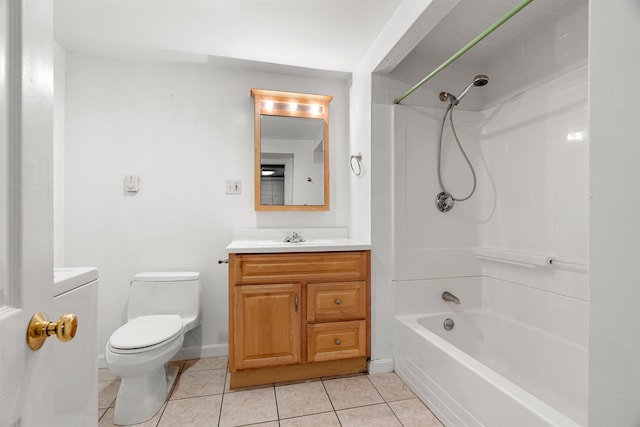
444,201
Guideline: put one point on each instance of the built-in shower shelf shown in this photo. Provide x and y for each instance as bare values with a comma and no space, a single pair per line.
531,259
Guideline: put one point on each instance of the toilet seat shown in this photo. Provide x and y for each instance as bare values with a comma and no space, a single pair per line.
145,333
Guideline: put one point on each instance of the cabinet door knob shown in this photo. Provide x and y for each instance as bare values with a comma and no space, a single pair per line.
338,302
338,342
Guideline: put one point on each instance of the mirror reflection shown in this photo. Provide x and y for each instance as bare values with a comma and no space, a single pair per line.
291,161
291,151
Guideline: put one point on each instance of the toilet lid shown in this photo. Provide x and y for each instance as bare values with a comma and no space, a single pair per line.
145,331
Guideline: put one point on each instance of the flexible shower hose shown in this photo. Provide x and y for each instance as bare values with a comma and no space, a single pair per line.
464,154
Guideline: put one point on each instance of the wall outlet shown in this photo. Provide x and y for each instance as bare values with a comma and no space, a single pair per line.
234,186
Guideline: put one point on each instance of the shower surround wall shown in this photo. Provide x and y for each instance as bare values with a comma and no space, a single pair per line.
529,143
531,158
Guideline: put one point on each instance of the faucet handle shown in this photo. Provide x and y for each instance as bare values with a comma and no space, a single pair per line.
294,238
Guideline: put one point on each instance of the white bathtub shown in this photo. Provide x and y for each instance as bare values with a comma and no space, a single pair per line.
490,369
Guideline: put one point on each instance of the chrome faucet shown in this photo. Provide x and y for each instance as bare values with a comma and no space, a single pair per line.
448,296
294,238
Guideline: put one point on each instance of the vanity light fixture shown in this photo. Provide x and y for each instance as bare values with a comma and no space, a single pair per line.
269,105
267,172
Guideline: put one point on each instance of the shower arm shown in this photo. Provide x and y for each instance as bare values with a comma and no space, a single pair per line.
468,46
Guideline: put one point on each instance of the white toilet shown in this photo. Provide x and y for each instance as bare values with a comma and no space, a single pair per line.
162,308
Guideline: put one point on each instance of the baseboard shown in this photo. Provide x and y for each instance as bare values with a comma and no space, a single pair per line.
186,353
101,363
200,352
380,366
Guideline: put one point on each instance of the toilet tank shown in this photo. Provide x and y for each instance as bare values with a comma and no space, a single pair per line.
176,292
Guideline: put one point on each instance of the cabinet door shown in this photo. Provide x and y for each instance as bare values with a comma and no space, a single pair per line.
267,325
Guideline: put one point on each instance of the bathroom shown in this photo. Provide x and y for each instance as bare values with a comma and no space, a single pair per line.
169,129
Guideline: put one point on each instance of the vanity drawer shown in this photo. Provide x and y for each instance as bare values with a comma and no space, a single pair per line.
336,301
325,266
336,340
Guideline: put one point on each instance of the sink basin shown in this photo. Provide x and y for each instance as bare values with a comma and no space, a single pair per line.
304,243
268,242
312,245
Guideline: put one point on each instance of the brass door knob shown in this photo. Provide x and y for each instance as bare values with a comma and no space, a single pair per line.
40,328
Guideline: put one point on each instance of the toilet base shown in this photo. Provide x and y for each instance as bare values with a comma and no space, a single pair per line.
140,398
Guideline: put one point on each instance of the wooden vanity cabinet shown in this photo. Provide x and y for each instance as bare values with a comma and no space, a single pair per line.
298,315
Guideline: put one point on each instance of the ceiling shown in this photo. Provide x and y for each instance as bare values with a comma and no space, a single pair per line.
320,34
469,18
314,34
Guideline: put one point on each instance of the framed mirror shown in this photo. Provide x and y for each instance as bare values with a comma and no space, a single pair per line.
291,151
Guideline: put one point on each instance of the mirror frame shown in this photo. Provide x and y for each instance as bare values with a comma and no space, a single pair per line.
260,96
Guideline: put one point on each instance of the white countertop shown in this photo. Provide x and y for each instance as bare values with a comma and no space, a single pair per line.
66,279
313,245
271,240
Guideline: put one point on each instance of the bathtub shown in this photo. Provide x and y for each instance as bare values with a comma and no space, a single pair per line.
491,369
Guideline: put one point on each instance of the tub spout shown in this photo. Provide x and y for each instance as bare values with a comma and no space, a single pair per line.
448,296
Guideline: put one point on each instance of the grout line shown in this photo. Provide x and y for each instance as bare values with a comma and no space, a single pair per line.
224,392
335,412
394,413
328,395
103,414
275,398
375,388
305,415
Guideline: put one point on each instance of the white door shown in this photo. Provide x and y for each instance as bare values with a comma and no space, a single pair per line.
26,267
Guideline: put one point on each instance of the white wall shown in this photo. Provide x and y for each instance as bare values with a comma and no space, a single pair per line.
183,129
614,126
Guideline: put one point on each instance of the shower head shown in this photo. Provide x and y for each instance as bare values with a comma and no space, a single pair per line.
479,80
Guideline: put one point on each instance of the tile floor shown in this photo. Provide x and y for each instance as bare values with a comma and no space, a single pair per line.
201,397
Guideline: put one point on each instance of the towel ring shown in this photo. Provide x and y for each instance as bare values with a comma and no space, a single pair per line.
358,158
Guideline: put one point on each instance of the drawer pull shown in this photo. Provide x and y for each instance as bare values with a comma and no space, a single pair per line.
338,302
297,302
338,342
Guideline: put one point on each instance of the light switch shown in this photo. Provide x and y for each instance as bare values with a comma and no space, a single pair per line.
234,186
131,183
